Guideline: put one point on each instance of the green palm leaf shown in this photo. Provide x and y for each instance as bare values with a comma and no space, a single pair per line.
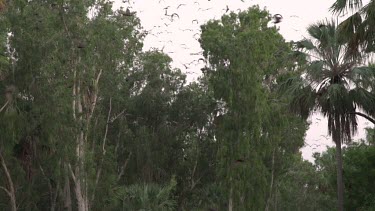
342,5
331,82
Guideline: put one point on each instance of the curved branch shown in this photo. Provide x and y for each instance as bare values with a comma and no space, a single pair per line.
6,191
2,108
11,191
365,116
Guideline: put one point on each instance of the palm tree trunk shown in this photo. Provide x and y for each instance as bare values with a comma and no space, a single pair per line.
340,183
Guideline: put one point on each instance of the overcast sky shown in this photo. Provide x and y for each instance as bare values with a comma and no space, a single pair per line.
177,35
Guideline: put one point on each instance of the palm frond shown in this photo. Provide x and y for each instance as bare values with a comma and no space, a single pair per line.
298,56
342,5
364,99
147,196
302,96
165,192
368,9
316,71
291,85
338,97
316,30
352,31
358,30
369,29
338,106
307,44
350,25
325,33
363,76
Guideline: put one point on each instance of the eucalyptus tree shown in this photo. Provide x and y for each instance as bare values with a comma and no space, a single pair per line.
240,50
358,30
303,187
168,128
153,88
332,83
69,60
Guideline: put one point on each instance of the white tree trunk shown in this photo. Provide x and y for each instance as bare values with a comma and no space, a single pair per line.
271,183
66,191
83,97
230,203
80,174
10,191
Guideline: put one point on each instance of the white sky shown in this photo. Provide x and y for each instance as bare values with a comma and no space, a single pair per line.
178,36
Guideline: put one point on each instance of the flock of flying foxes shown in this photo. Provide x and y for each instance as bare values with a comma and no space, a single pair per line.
277,18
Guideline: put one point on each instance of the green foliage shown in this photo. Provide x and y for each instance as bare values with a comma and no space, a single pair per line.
301,187
326,84
329,83
358,29
147,197
84,107
358,170
244,56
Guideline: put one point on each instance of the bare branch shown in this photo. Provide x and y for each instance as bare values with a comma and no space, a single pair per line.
11,192
117,116
1,109
124,167
96,92
6,190
103,148
106,126
72,173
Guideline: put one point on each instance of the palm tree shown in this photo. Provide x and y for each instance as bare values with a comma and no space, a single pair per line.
147,196
333,84
358,30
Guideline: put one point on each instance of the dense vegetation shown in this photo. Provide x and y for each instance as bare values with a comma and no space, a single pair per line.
88,121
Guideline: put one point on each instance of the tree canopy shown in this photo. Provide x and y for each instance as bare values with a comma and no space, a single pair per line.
91,121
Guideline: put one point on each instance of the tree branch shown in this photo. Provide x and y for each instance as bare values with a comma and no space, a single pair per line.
95,97
117,116
103,148
124,167
48,183
106,126
6,190
11,192
72,173
4,106
365,116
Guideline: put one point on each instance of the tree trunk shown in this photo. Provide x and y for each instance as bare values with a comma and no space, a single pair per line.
78,174
83,106
230,203
52,193
271,183
10,191
79,189
340,183
66,192
54,197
